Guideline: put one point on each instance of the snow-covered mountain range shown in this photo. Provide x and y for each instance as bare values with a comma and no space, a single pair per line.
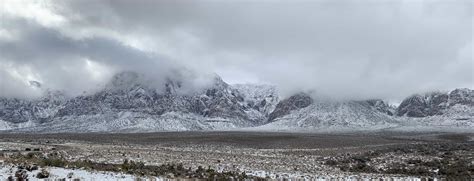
127,104
420,112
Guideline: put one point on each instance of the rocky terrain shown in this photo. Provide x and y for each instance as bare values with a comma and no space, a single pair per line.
251,155
436,103
128,103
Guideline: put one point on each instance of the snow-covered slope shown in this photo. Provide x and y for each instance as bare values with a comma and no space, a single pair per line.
458,117
129,104
132,122
262,98
435,103
330,116
452,111
438,111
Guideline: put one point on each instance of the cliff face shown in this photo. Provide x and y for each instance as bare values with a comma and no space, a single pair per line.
292,103
434,103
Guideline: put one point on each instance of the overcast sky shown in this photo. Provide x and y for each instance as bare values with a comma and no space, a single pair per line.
359,49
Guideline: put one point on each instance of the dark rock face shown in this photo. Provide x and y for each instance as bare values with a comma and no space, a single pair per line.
381,106
423,105
285,106
434,103
461,96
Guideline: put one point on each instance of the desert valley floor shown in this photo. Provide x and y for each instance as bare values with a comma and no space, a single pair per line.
259,155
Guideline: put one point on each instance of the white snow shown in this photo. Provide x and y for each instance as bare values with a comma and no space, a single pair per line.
62,173
258,102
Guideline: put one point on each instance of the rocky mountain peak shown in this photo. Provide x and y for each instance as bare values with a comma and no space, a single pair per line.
284,107
130,102
217,82
434,103
381,106
461,96
262,98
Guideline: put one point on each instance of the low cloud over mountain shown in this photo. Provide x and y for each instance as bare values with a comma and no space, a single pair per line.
346,49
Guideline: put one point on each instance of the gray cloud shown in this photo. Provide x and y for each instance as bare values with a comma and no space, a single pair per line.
355,49
74,66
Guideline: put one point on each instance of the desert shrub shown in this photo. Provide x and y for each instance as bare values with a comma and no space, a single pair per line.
32,155
432,164
414,161
331,162
53,162
21,175
458,168
43,174
69,175
361,159
31,167
128,166
362,167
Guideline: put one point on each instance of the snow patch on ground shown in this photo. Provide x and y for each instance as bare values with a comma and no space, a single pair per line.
62,173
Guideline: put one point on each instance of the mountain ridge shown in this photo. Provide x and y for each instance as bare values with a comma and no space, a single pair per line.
127,104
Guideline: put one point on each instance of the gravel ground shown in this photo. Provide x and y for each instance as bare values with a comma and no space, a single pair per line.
262,154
